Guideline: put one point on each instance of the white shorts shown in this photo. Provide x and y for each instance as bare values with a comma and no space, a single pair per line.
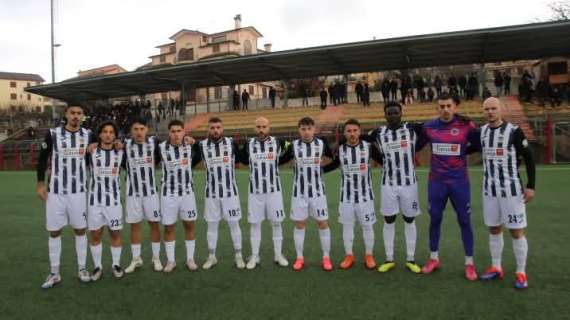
364,212
139,207
173,207
260,206
64,209
111,217
403,199
303,207
227,208
509,211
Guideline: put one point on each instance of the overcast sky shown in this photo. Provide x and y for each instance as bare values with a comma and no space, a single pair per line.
94,33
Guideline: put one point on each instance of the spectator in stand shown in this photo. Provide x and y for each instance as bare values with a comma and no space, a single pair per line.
236,100
499,83
462,82
507,83
306,94
394,89
430,94
272,94
244,99
366,95
323,95
358,89
385,89
438,83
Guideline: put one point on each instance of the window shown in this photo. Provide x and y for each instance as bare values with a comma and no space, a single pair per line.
247,47
205,39
28,84
13,96
251,91
29,96
264,92
172,49
216,48
218,93
163,96
38,109
219,39
162,59
186,54
12,84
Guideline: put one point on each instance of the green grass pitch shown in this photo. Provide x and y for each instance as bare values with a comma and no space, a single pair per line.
270,292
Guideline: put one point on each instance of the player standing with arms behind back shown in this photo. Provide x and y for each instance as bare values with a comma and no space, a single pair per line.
504,198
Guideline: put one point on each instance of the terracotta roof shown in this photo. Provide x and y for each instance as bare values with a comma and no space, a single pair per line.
21,76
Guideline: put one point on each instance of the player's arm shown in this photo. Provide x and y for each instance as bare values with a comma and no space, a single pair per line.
45,152
422,137
335,163
376,154
473,139
196,154
523,149
244,154
286,154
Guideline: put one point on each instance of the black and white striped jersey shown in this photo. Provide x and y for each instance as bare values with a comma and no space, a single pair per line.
398,148
105,186
356,180
140,162
219,158
177,163
68,150
501,149
308,178
263,158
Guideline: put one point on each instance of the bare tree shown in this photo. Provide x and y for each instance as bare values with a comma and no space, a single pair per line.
560,10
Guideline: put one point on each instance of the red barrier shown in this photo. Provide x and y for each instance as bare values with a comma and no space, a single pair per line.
1,157
17,158
548,141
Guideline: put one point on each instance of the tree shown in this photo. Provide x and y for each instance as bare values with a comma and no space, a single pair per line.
560,10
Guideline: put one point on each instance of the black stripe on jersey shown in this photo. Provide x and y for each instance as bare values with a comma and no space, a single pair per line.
491,166
73,166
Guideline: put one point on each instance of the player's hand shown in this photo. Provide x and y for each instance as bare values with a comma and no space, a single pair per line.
189,140
119,145
528,195
41,191
91,147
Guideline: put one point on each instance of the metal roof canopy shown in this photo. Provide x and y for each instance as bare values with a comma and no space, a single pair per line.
529,41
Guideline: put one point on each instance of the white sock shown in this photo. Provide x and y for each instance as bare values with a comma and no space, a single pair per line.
468,260
235,232
496,245
169,248
389,232
277,238
368,235
299,237
255,238
155,249
116,255
411,236
81,251
520,248
325,236
190,246
434,255
54,250
136,250
348,238
96,253
212,237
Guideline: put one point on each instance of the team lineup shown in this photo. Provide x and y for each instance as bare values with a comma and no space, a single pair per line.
84,189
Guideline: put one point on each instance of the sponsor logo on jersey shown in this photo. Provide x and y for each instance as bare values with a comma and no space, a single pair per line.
310,161
446,149
494,153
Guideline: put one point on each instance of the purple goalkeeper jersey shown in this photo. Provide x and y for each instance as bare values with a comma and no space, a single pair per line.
450,142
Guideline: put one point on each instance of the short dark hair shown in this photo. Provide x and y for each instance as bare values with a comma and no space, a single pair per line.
447,96
215,120
175,123
104,124
306,121
139,121
352,122
73,106
392,104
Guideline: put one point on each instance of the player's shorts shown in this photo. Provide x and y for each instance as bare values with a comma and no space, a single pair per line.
228,208
363,211
303,207
268,205
402,199
180,206
508,211
139,207
111,216
62,210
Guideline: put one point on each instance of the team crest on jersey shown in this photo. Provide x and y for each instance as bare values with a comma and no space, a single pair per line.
270,156
404,144
363,167
454,131
500,152
317,161
148,160
184,162
226,159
